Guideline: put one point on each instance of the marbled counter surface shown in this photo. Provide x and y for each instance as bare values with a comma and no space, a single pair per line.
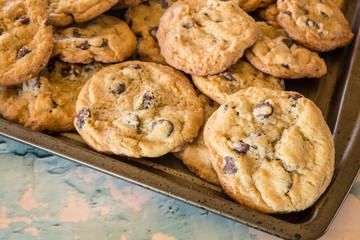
47,197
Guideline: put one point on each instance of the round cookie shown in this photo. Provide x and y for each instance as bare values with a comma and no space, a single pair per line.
195,155
104,39
276,54
85,10
272,150
128,3
47,102
252,5
144,21
204,37
238,76
138,109
319,26
26,40
57,16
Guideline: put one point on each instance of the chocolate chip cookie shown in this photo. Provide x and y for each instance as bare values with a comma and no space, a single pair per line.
204,37
26,40
270,14
272,150
144,21
104,39
47,102
138,109
196,155
239,76
276,54
85,10
317,24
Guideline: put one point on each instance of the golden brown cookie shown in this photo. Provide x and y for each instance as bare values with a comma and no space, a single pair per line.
272,150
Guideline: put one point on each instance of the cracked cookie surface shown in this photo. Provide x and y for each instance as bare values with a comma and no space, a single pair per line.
85,10
104,39
272,150
238,76
47,102
144,22
195,155
317,24
138,109
204,37
26,40
276,54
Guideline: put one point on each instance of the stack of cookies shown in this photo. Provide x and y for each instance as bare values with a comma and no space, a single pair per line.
198,78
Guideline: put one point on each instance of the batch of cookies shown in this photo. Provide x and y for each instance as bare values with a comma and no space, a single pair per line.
201,79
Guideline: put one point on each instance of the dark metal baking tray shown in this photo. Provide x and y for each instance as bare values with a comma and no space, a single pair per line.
337,95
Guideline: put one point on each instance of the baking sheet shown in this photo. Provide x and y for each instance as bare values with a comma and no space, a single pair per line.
337,94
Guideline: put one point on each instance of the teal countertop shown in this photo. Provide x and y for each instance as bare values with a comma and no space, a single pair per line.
47,197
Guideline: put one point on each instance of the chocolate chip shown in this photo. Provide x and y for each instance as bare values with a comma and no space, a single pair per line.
104,43
312,23
324,14
81,117
295,96
139,36
225,108
288,13
147,99
161,121
229,167
76,33
119,90
70,70
133,66
23,52
229,77
254,147
1,31
285,65
265,106
241,147
134,123
88,69
164,4
152,32
37,82
54,103
84,46
219,21
187,26
24,20
207,14
288,42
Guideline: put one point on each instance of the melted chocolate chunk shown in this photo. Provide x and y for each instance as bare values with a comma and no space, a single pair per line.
23,52
288,42
76,33
139,36
187,25
133,66
264,106
104,43
295,96
229,167
54,103
134,123
70,70
152,32
324,14
288,13
82,116
311,23
147,99
241,147
161,121
229,77
119,90
84,46
24,20
164,4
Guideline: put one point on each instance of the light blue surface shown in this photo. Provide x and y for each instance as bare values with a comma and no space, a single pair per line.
131,212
